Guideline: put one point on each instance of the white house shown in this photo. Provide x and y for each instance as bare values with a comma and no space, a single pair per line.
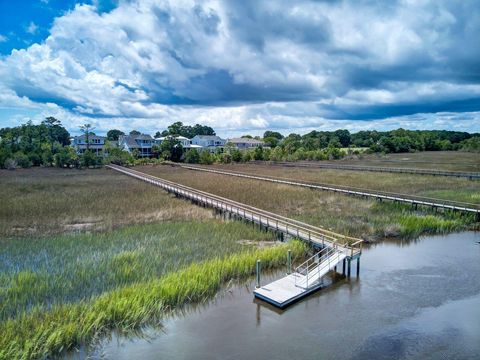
246,143
210,142
142,143
95,143
185,142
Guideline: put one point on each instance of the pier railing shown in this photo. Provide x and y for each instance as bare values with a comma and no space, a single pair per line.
406,170
315,235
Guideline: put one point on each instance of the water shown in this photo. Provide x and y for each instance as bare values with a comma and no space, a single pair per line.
417,300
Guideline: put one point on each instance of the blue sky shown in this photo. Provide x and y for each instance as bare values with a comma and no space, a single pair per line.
241,66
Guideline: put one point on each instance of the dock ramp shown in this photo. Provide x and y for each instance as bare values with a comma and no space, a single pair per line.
306,278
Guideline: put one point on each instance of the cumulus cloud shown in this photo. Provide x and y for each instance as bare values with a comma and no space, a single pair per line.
252,65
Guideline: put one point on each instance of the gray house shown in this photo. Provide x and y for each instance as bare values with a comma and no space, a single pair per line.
142,143
210,142
246,143
95,143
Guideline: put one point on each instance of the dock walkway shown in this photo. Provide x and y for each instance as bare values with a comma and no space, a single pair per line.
333,247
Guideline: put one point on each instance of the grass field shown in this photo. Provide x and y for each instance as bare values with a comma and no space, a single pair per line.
84,252
344,214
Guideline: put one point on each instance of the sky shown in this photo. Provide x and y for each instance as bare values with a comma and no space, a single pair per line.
241,66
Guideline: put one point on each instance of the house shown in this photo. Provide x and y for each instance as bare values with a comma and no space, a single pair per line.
210,142
246,143
141,143
185,142
95,143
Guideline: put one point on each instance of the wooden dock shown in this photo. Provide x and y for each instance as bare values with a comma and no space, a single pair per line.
418,171
316,236
306,278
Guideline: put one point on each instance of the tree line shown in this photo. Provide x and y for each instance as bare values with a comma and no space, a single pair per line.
47,144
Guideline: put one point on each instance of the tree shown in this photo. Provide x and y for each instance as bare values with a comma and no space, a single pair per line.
258,153
66,157
87,129
343,137
271,141
135,132
272,134
113,134
56,132
171,149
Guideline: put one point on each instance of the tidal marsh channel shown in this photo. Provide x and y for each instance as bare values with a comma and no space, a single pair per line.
413,300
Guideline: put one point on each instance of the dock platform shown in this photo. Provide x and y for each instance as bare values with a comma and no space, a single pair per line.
284,292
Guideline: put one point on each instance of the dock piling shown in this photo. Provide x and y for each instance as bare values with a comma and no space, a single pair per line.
358,266
257,285
289,262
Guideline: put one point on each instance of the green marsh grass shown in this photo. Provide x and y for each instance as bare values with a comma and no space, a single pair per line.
50,270
43,333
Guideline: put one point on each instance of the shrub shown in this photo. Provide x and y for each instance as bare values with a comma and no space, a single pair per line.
22,160
236,155
192,156
206,158
10,164
88,158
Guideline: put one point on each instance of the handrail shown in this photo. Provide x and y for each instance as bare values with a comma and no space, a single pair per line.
421,200
303,230
406,170
329,254
304,226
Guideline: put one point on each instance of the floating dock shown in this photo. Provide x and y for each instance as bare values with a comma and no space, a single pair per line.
306,279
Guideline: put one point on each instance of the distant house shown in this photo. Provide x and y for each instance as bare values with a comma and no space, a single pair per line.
246,143
95,143
210,142
185,142
142,143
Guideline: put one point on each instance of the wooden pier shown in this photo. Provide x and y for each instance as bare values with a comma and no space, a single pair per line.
332,247
378,195
463,174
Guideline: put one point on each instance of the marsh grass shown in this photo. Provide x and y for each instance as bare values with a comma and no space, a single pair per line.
41,201
42,272
366,218
41,333
435,160
448,188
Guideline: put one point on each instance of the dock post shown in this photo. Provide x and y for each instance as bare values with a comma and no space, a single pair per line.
348,266
257,285
358,266
343,267
289,262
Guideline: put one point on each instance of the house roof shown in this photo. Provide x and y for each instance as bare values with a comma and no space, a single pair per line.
245,140
172,137
209,137
131,140
90,137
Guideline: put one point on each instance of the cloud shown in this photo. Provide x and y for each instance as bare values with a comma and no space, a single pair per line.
3,38
249,65
31,28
